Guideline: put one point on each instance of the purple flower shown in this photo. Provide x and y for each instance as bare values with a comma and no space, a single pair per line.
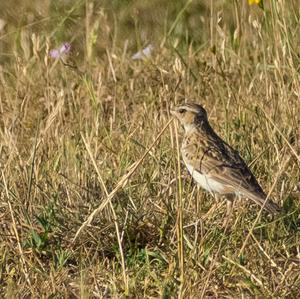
59,52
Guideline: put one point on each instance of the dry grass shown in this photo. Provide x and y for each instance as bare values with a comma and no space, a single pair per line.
73,137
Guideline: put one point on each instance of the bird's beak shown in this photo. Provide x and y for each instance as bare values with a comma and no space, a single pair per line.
173,112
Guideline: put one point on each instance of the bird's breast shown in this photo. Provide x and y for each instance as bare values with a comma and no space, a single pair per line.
205,181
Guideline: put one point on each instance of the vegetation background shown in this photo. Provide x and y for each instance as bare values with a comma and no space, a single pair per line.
78,130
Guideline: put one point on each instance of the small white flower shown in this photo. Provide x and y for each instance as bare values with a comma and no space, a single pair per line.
145,53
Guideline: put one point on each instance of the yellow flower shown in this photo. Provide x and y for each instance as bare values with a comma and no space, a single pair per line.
254,1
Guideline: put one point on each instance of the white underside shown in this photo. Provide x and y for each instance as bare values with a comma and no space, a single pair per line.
204,181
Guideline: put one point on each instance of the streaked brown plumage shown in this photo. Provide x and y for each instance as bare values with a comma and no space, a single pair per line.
214,164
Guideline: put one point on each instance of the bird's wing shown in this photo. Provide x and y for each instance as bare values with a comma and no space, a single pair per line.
223,164
236,176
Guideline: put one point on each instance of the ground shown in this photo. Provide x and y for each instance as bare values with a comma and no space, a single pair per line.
94,199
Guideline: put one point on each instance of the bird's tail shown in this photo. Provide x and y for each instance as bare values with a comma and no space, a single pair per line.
268,204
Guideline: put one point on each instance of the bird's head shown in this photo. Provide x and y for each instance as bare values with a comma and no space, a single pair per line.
190,115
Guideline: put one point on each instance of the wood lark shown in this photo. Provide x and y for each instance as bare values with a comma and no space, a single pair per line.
214,164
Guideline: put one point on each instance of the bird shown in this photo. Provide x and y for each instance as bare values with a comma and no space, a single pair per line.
213,163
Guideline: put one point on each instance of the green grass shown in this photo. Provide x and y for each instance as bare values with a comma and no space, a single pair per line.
70,137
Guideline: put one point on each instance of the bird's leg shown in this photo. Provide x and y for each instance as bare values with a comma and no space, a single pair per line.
229,205
214,206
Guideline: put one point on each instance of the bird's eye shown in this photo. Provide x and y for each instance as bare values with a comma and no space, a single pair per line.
181,111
